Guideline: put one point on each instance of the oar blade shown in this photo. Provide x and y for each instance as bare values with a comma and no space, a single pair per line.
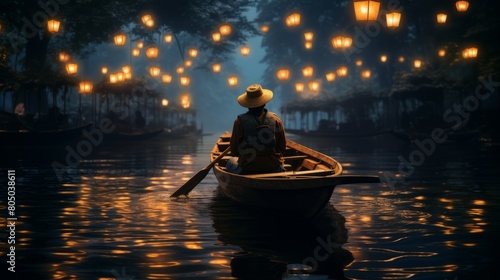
191,183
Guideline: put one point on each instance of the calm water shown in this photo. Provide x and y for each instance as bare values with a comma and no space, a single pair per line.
110,217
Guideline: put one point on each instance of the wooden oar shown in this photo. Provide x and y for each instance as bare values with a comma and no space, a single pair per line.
196,179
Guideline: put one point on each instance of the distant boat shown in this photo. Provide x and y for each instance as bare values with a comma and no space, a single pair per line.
32,137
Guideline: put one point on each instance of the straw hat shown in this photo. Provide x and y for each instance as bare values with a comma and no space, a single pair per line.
255,96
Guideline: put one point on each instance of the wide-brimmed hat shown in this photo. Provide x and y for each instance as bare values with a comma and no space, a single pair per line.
255,96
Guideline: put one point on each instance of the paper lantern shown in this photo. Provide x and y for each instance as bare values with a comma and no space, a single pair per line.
307,71
225,30
53,25
216,67
64,57
462,6
71,68
154,71
283,74
417,63
341,42
293,20
120,39
166,78
366,74
152,52
366,10
393,19
86,86
245,50
441,18
342,71
330,76
232,81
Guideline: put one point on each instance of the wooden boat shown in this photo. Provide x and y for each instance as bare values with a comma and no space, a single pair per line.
303,190
31,137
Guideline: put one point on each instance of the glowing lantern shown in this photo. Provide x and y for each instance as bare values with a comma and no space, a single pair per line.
185,80
264,28
462,6
185,103
225,29
167,38
120,39
308,45
441,18
330,76
342,71
136,52
359,62
383,58
216,67
188,63
216,36
127,76
113,78
120,77
166,78
232,81
86,86
126,69
299,87
147,19
283,74
245,50
442,52
366,10
470,53
401,59
313,86
71,68
366,74
307,71
179,70
104,70
341,42
308,36
64,57
164,102
417,63
140,45
154,71
152,52
393,19
53,25
193,52
293,20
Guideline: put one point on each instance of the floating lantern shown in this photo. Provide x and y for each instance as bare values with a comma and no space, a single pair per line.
232,81
216,36
299,87
359,62
166,78
383,58
308,45
264,28
179,70
113,78
86,86
193,52
184,80
216,67
185,102
307,71
342,71
341,42
293,20
366,74
330,76
442,52
401,59
120,77
71,68
225,30
127,76
126,69
417,63
245,50
120,39
313,86
154,71
308,36
152,52
64,57
53,25
147,19
283,74
462,6
104,70
470,53
136,52
140,45
366,10
167,38
164,102
393,19
441,18
188,63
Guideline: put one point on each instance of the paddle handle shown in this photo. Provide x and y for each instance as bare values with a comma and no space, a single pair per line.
225,152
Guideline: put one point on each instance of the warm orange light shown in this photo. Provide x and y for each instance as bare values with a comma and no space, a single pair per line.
185,102
366,10
184,80
245,50
341,42
470,53
104,70
179,70
216,36
264,28
308,45
140,45
147,19
232,81
330,76
53,25
120,77
64,57
126,69
136,52
71,68
442,52
307,71
393,19
283,74
299,87
225,29
86,86
166,78
154,71
441,18
216,67
167,38
359,62
164,102
342,71
308,36
417,63
152,52
313,86
113,78
293,20
193,52
383,58
127,76
120,39
401,59
462,6
366,74
188,63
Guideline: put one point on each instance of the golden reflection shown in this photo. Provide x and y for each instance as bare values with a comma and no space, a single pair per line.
445,200
120,252
187,160
365,219
479,202
223,262
192,245
420,197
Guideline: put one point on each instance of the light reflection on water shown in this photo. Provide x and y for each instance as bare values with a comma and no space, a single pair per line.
112,215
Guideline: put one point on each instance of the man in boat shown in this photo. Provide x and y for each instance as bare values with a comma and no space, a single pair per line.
258,138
